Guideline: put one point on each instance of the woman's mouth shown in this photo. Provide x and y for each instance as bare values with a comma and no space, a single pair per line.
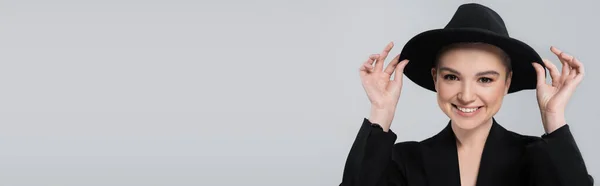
466,111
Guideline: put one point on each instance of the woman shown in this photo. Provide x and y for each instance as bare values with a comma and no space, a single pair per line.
471,64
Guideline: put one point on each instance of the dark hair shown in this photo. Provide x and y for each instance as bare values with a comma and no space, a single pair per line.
504,57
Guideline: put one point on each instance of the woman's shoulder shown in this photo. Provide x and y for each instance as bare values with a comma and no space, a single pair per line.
522,138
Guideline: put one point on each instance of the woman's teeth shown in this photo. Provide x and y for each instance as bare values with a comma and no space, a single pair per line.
467,110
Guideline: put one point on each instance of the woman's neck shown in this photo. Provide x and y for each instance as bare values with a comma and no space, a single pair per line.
472,139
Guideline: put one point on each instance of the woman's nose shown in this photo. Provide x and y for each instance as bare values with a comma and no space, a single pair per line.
466,94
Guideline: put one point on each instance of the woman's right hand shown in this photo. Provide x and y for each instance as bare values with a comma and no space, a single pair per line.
383,92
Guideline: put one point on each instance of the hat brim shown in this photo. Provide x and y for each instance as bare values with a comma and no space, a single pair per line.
422,51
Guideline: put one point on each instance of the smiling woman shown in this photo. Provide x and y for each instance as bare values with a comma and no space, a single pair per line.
471,80
471,64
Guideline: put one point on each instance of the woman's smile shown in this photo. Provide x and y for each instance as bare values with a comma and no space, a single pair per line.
466,111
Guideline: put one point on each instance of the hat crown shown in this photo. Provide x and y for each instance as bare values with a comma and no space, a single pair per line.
477,16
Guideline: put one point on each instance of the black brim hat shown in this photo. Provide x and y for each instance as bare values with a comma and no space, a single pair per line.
471,23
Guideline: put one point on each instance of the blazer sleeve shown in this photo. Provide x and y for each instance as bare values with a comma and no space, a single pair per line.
369,162
555,160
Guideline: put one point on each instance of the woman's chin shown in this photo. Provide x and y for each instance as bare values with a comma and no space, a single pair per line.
467,121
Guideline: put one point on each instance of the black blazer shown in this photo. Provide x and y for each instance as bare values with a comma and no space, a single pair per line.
508,159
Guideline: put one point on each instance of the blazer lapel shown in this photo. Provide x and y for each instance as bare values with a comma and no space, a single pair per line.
440,159
499,156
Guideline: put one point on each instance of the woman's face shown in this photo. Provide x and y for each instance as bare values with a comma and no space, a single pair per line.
471,83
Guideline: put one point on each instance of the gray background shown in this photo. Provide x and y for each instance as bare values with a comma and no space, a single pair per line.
263,92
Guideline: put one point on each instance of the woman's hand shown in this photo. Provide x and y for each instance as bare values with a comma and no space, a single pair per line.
552,99
381,90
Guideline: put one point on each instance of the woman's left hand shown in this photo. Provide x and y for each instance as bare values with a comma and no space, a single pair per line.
552,99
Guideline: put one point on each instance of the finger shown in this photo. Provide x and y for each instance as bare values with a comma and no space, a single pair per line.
572,66
577,74
577,69
580,71
566,69
382,56
554,74
576,65
555,50
399,72
367,66
390,68
541,75
573,73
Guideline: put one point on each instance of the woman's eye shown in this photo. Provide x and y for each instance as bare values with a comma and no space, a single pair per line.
485,80
450,77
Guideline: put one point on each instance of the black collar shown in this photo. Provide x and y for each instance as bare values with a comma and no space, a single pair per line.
440,157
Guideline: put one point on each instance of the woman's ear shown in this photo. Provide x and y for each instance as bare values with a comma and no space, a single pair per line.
507,82
434,76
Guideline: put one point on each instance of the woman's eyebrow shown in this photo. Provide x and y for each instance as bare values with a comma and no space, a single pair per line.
489,72
449,69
